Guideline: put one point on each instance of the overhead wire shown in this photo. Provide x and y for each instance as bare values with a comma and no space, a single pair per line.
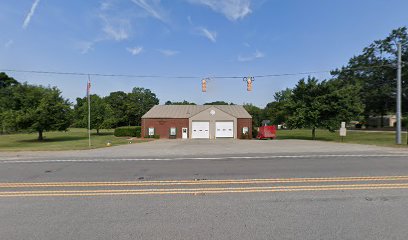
192,77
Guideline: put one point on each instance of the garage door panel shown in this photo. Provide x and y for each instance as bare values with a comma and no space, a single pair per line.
200,130
224,129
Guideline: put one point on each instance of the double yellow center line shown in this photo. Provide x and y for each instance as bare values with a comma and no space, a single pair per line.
26,189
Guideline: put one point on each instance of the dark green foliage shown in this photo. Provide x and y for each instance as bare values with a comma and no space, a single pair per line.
101,113
118,101
6,81
256,114
128,131
36,108
254,132
140,100
322,105
219,103
116,110
276,111
245,136
179,103
374,70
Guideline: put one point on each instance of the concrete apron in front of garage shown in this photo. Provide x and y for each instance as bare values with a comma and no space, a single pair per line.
197,148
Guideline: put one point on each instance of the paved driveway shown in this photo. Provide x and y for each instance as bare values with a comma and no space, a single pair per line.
227,147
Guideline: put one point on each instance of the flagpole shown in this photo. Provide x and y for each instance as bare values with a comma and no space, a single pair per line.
89,109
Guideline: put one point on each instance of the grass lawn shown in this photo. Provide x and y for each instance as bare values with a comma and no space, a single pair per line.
361,137
73,139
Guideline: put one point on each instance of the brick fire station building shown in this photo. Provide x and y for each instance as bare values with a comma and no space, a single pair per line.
197,121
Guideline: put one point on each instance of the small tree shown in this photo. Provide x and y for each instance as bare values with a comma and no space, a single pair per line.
322,105
101,113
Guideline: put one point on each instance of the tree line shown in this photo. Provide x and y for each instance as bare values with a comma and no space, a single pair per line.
36,108
365,87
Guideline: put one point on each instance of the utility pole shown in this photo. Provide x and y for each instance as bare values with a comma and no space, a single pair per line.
88,92
398,137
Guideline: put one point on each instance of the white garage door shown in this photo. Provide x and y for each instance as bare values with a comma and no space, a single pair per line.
200,130
224,129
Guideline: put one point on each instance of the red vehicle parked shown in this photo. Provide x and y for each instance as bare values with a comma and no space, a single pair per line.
267,132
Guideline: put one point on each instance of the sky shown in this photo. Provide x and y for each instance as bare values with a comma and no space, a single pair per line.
188,38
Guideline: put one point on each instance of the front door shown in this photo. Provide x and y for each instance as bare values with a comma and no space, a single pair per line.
184,133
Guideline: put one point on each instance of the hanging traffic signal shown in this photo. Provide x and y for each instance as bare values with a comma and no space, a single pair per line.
249,81
204,85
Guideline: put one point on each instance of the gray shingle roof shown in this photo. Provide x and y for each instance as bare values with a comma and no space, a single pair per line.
187,111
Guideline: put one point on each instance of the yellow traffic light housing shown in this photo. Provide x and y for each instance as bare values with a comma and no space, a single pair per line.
204,85
249,81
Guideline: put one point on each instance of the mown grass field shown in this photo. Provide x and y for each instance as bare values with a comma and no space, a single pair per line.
77,139
360,137
73,139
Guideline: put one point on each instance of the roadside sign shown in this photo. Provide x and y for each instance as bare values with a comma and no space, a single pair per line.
343,130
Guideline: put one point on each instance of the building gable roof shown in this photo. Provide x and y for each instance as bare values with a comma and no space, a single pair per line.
187,111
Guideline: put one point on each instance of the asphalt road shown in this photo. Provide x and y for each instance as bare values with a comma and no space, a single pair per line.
319,195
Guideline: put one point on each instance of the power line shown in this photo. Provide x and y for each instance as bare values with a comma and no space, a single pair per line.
190,77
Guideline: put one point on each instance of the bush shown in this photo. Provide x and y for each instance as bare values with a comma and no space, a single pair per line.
254,132
128,132
245,136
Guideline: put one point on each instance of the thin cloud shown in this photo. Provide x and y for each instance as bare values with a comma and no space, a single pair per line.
8,43
211,35
168,52
152,9
106,5
189,20
117,29
257,54
231,9
135,50
85,46
30,14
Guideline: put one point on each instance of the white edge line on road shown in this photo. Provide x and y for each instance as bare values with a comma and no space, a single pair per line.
5,161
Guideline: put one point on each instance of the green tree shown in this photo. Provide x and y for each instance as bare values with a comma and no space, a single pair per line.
256,114
322,105
39,109
118,102
276,110
374,70
219,103
140,100
184,102
6,101
102,115
6,81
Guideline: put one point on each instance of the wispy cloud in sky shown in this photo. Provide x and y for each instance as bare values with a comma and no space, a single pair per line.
30,14
117,29
168,52
85,46
105,5
153,8
8,43
231,9
257,54
135,50
211,35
